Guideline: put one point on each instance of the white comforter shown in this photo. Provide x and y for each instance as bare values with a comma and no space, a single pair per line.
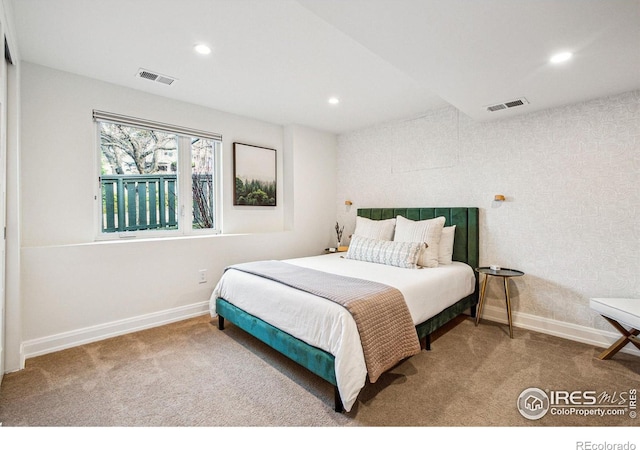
329,326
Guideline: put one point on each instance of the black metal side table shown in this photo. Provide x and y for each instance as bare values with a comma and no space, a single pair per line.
505,274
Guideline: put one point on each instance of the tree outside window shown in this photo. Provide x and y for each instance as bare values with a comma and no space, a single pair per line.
142,181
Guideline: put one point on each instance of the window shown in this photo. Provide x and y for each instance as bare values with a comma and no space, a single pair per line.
154,176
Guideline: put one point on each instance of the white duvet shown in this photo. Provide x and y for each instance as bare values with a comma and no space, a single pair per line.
329,326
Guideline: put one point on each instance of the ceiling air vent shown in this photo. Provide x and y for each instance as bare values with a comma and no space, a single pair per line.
506,105
496,107
152,76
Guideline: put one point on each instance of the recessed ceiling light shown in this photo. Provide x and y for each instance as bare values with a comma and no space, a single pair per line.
561,57
334,100
202,49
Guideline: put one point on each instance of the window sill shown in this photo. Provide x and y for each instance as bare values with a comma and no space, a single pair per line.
157,240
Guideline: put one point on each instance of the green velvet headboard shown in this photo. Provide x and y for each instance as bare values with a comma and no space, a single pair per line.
466,246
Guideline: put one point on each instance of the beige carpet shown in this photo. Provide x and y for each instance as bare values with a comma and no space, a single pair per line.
191,374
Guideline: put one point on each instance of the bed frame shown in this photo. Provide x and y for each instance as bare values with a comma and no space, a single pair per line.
321,363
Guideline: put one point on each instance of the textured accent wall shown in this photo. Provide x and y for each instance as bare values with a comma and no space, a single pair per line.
571,219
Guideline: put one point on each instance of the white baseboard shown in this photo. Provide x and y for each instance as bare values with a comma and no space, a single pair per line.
54,343
592,336
49,344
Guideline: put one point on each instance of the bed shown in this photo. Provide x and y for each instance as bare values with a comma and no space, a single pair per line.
322,335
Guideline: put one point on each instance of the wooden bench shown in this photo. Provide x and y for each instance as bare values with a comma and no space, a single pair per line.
621,313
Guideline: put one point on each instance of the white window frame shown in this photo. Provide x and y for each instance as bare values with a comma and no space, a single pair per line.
184,197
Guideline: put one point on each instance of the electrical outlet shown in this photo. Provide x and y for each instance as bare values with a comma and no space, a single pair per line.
203,276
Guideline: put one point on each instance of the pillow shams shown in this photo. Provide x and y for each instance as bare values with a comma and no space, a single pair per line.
428,231
445,248
391,253
375,229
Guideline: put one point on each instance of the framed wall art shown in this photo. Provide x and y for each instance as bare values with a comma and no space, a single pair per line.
254,173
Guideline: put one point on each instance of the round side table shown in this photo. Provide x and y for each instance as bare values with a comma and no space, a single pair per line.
505,274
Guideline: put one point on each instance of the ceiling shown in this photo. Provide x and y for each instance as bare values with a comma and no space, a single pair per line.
280,60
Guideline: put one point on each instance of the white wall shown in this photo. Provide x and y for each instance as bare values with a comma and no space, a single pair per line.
75,289
59,141
570,175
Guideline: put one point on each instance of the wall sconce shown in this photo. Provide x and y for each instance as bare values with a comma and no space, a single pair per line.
499,198
348,202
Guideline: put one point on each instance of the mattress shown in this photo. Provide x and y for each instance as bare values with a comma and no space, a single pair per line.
327,325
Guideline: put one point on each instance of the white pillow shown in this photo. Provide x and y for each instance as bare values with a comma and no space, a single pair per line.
375,229
445,248
391,253
428,231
